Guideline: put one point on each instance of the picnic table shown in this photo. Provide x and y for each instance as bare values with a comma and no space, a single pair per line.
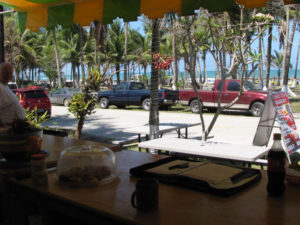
163,128
208,149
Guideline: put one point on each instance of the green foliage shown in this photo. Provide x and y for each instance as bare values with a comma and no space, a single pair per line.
34,118
95,78
143,79
254,55
82,105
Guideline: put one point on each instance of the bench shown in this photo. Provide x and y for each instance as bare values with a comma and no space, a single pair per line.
163,128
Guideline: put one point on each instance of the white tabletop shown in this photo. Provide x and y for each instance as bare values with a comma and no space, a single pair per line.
209,148
163,128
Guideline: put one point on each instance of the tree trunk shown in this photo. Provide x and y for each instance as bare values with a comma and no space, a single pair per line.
125,51
269,50
204,65
78,76
224,62
217,74
97,41
260,70
57,59
118,72
175,76
192,69
296,68
74,75
154,113
18,78
145,80
2,53
78,131
288,49
278,77
201,78
81,54
186,70
145,71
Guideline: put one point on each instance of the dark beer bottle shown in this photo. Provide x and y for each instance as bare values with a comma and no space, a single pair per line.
276,168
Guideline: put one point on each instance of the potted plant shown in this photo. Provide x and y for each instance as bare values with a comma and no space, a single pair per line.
22,138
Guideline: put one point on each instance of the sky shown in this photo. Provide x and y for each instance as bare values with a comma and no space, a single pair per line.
210,61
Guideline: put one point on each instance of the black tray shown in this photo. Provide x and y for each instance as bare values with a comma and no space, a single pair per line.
205,176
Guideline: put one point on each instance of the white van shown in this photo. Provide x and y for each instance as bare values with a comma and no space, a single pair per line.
12,85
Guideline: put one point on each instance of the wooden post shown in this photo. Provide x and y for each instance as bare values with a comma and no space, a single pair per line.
2,56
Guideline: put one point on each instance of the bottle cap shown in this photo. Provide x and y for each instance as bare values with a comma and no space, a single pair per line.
277,136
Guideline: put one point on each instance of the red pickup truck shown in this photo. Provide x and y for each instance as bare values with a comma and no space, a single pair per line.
252,100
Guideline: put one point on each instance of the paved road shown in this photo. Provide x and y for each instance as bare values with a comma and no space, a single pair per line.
108,124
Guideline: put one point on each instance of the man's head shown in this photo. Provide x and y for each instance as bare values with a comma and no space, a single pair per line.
6,73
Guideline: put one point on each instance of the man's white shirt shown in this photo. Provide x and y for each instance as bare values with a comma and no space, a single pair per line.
10,108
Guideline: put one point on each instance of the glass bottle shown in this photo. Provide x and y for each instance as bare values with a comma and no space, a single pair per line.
38,169
276,167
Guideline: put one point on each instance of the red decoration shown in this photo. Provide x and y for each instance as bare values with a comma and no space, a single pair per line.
162,62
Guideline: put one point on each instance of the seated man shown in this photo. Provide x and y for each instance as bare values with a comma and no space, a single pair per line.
10,108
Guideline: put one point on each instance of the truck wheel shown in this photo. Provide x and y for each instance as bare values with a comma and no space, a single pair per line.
66,102
146,104
257,108
194,106
104,103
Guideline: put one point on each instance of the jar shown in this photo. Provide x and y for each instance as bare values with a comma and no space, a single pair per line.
38,169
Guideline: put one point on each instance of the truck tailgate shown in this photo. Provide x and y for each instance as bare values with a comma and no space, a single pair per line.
171,95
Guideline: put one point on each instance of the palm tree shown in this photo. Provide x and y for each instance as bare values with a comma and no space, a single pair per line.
143,51
288,48
203,43
47,62
116,45
277,61
135,49
269,55
71,54
57,58
296,67
125,50
154,113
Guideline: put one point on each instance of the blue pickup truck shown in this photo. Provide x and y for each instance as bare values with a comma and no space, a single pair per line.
135,93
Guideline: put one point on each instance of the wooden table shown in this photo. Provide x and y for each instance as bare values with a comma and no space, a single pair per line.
110,204
208,149
163,128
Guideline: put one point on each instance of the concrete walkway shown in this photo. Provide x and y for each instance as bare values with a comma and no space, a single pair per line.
108,124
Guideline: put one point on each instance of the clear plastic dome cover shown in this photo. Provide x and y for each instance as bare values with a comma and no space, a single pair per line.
86,166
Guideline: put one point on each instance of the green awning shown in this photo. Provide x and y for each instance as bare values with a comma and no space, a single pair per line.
34,14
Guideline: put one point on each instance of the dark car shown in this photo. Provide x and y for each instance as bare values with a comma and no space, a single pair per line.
62,96
135,93
34,98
